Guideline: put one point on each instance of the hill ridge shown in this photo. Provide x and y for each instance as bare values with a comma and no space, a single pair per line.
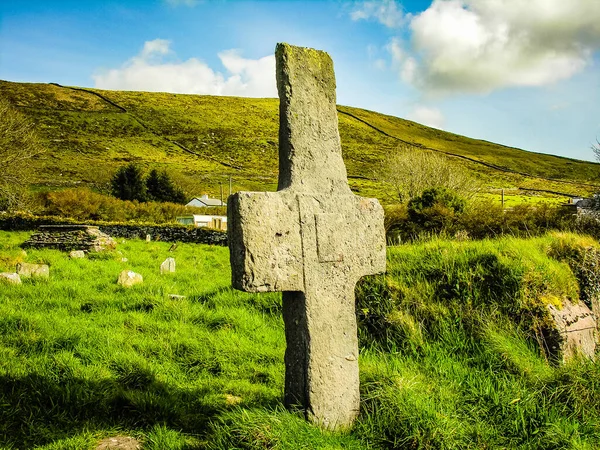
491,166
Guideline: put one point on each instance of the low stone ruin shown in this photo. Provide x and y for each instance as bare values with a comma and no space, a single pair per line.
71,237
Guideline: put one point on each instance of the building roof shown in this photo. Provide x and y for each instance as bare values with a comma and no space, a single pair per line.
206,201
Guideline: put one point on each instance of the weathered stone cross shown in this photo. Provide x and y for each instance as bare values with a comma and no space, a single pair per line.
312,239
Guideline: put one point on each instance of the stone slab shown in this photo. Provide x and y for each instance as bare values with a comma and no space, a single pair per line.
575,331
10,278
27,270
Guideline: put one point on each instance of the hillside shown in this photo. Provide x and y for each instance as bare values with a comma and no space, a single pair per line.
203,140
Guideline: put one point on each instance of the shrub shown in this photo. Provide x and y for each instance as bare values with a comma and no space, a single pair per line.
436,209
84,204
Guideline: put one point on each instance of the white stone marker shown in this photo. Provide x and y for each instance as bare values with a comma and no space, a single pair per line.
128,278
167,266
313,239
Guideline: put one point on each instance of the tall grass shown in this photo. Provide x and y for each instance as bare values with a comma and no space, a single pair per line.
446,363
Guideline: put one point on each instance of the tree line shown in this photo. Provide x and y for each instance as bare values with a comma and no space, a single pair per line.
129,183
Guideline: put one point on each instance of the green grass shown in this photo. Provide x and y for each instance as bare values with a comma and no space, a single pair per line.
448,358
88,139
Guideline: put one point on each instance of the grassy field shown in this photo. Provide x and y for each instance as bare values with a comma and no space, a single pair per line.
203,140
450,356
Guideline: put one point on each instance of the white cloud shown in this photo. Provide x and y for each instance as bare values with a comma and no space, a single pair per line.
386,12
148,71
482,45
154,48
432,117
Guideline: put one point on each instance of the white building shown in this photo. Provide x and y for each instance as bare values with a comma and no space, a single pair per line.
205,201
199,220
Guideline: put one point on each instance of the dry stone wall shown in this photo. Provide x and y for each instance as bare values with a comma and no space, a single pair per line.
167,233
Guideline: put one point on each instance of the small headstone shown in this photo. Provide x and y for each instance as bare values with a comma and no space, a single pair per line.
33,270
313,239
128,278
574,331
173,247
148,238
177,297
12,278
77,254
168,266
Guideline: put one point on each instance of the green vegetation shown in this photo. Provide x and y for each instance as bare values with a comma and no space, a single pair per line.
128,183
450,354
160,188
203,140
19,145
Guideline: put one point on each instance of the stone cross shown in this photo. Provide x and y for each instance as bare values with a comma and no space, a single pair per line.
312,239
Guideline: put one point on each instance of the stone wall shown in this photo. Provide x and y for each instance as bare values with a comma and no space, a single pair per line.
168,233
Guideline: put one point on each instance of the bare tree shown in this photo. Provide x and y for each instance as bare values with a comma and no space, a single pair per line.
411,170
18,145
596,149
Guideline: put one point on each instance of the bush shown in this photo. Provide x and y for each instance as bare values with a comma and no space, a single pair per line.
436,209
479,220
84,204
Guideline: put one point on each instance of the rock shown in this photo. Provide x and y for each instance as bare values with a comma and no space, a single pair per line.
11,278
77,254
128,278
124,259
177,297
313,239
33,270
119,443
574,331
168,266
232,400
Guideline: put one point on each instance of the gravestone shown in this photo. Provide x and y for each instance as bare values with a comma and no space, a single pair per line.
167,266
313,239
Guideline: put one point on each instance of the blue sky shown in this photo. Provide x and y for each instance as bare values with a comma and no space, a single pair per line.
524,73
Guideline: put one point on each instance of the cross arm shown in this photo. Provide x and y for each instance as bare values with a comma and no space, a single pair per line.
265,242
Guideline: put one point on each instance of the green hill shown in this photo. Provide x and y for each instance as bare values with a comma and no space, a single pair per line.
203,140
